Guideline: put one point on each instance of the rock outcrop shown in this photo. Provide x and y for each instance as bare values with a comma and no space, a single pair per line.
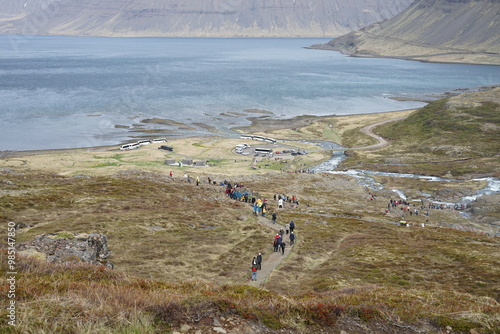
68,247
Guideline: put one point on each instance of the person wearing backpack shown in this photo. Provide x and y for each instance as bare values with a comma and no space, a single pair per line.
254,273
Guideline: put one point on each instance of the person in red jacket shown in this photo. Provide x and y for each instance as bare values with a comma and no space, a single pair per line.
254,273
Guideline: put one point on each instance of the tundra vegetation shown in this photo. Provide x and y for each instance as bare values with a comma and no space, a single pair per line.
182,252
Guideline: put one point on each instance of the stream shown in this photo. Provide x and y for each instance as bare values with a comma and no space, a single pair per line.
365,177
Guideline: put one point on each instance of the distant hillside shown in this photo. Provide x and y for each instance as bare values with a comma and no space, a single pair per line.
194,18
432,30
457,135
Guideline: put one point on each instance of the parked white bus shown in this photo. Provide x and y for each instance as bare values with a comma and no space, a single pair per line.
131,146
263,150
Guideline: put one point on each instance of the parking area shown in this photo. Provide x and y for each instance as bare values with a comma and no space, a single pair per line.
270,151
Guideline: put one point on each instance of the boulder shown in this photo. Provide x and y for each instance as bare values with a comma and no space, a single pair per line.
69,247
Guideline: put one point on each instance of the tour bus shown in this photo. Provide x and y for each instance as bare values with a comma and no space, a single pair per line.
270,140
159,140
246,137
129,146
266,139
263,150
144,142
259,138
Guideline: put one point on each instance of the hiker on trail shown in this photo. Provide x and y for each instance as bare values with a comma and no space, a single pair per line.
292,238
171,174
254,261
274,217
280,203
292,226
287,228
254,273
281,232
283,245
264,208
276,244
197,180
259,261
259,206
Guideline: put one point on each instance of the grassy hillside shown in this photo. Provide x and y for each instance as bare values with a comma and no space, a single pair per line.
430,30
152,227
451,135
353,267
182,252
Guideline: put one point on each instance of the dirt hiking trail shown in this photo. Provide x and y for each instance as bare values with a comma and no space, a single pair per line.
270,260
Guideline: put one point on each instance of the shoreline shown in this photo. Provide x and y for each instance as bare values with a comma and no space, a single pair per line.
215,151
423,59
258,125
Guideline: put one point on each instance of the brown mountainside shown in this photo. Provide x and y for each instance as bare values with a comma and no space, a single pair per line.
194,18
432,30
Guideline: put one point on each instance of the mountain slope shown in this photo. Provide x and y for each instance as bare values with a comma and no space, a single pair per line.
432,30
195,18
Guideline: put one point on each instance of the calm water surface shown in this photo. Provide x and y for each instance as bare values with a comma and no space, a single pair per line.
61,92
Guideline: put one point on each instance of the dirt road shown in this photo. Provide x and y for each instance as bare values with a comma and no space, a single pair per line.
368,130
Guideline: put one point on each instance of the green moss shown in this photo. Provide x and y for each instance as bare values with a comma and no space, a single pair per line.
65,235
458,325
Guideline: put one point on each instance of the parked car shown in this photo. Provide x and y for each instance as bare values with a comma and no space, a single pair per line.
166,148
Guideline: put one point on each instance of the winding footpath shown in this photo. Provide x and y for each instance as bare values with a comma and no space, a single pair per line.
368,130
270,261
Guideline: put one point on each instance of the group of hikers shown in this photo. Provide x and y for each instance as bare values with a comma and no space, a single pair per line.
238,192
415,210
260,206
279,242
279,246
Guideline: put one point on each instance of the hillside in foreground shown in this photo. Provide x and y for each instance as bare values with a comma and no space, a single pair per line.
353,267
429,30
182,252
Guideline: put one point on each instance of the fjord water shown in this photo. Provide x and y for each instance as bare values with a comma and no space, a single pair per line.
63,92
